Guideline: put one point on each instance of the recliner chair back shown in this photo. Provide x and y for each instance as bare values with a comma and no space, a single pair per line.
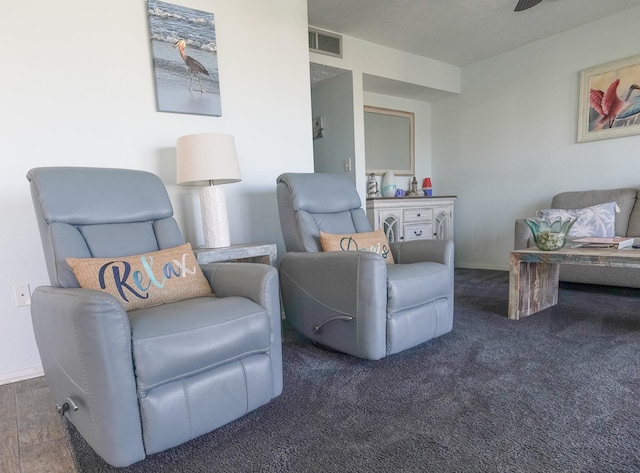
133,216
314,202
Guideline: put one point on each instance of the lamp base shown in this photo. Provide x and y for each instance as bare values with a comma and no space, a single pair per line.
215,222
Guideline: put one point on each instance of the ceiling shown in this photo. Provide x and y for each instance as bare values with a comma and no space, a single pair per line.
458,32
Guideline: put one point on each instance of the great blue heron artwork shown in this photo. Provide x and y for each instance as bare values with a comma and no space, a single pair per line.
185,59
195,67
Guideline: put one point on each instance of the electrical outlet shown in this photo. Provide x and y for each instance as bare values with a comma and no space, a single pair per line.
22,294
347,165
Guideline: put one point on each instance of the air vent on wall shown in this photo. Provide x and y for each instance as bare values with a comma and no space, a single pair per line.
325,43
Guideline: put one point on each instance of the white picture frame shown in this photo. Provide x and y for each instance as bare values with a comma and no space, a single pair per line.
615,83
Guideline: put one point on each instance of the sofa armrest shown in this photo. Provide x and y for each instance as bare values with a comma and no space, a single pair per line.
522,235
84,339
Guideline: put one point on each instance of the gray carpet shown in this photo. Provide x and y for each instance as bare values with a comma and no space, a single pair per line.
556,391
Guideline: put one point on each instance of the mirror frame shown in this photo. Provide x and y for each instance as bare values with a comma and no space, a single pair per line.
394,113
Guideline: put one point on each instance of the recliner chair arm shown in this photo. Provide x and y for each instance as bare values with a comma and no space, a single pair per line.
340,279
415,251
255,281
259,283
84,340
344,287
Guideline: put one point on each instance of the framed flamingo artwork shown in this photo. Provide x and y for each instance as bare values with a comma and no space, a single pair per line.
185,59
610,100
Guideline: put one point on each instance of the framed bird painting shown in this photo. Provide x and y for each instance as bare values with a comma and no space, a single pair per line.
610,100
185,59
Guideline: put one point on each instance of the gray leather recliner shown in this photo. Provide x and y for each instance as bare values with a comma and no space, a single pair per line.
155,377
353,302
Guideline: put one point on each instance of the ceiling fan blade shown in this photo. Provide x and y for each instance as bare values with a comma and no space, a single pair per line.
526,4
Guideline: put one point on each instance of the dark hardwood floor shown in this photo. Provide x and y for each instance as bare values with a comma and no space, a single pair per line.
31,436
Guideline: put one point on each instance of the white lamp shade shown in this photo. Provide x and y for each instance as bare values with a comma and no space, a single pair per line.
207,158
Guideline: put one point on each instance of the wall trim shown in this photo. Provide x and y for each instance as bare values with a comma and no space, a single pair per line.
492,267
9,377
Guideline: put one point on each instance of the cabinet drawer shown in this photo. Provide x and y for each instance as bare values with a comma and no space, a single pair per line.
418,231
418,215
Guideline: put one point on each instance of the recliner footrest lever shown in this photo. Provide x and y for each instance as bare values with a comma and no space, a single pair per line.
68,404
346,318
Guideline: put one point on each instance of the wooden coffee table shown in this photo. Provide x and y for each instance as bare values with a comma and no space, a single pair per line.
533,274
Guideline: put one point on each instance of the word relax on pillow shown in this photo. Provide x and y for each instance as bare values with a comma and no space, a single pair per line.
595,221
375,242
144,280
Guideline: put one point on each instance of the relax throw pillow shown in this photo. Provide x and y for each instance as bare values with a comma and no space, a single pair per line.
595,221
144,280
375,242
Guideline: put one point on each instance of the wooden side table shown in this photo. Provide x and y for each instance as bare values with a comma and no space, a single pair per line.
249,253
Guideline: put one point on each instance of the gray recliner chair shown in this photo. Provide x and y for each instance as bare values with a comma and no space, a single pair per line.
353,302
139,382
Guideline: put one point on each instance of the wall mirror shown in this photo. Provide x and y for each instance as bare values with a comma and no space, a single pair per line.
389,141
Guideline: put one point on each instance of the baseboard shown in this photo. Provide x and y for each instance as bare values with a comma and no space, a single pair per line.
9,377
481,266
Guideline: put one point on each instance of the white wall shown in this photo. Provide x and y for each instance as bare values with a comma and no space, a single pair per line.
507,143
332,99
77,89
362,57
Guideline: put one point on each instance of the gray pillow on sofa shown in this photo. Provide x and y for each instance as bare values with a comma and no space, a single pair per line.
595,221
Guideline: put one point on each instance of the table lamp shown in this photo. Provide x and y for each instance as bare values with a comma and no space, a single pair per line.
208,160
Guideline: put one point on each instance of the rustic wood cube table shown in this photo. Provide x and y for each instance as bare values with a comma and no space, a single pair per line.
534,274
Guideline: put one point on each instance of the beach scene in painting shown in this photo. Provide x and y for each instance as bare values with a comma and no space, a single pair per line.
185,59
614,99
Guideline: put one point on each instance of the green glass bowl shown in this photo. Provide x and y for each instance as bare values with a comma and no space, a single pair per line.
550,235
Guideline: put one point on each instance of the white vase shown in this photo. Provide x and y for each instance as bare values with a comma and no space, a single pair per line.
388,184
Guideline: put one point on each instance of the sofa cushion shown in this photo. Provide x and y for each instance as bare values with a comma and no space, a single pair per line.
595,221
375,242
144,280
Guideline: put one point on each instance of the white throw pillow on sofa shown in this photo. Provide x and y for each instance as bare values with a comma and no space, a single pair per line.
595,221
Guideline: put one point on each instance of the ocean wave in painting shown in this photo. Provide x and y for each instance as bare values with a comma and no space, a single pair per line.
170,23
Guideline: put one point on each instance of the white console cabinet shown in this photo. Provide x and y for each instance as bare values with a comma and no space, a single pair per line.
412,218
